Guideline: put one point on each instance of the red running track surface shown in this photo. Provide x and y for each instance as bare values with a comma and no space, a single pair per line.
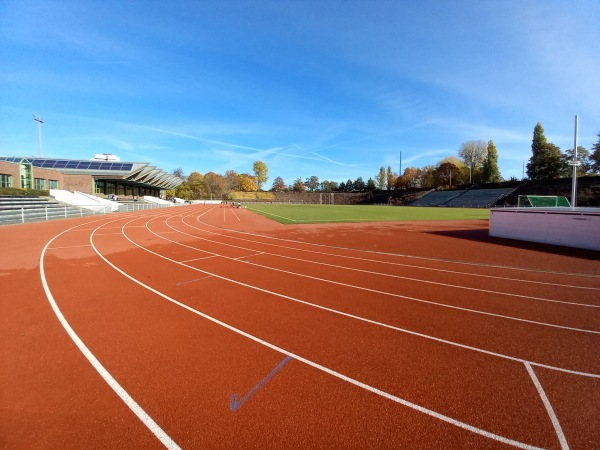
212,327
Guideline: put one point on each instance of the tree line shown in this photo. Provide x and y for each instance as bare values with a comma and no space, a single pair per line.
475,163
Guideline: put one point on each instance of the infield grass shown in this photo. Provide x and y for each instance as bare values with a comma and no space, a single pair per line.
288,214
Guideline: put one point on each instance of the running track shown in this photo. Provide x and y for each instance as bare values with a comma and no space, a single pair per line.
212,327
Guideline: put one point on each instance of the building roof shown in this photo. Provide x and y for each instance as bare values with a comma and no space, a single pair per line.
138,172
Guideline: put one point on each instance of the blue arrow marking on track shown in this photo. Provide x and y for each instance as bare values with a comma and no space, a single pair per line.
234,404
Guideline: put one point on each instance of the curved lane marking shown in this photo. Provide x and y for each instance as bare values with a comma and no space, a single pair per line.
363,319
313,364
401,255
142,415
418,280
390,294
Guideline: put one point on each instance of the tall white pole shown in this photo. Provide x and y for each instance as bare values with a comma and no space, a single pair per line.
575,162
40,122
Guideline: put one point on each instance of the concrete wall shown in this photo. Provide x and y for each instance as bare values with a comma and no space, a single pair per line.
579,228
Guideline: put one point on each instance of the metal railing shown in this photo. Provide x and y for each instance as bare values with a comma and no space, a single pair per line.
45,213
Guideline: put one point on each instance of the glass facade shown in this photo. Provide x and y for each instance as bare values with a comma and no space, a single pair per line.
6,180
39,183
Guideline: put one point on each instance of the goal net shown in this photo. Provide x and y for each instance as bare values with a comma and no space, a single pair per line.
543,201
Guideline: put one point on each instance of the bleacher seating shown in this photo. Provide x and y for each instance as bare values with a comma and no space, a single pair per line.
437,198
21,209
468,198
479,198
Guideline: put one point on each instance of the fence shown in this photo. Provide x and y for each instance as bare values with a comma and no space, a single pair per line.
41,214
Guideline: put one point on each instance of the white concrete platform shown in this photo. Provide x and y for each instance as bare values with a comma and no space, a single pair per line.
578,227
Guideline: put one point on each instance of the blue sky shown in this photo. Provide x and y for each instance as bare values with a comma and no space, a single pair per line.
330,88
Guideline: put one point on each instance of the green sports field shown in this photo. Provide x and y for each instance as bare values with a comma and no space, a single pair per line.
288,214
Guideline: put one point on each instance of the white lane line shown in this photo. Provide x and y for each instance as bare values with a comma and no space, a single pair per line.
401,255
199,259
68,246
281,217
144,417
362,319
376,291
236,216
418,280
555,423
362,259
317,366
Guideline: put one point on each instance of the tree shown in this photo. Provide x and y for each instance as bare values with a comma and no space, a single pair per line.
408,178
214,185
183,191
490,173
359,184
595,155
233,182
261,171
349,185
341,187
390,178
444,173
248,183
312,183
473,154
585,166
278,185
179,173
427,176
195,182
299,185
370,185
381,178
329,186
545,161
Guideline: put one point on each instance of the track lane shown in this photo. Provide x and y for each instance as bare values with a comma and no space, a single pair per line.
420,427
548,341
102,328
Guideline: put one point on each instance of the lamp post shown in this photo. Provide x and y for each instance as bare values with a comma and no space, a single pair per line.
574,163
40,122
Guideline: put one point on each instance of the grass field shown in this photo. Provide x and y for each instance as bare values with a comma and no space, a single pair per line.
288,214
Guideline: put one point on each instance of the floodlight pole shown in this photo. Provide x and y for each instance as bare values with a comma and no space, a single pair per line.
40,122
575,163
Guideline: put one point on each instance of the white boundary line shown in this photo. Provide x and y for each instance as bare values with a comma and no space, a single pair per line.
105,374
401,255
390,294
338,375
392,327
519,280
555,423
419,280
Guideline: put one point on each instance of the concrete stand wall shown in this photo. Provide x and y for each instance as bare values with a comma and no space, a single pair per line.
579,228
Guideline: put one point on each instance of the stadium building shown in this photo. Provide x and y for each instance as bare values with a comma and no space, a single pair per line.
102,176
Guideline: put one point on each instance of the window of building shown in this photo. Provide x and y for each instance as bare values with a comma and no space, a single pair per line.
6,180
39,184
53,184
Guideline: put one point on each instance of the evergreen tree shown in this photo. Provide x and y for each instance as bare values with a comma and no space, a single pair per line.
359,184
545,162
595,156
489,170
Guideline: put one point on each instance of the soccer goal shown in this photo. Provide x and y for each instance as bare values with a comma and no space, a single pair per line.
543,201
